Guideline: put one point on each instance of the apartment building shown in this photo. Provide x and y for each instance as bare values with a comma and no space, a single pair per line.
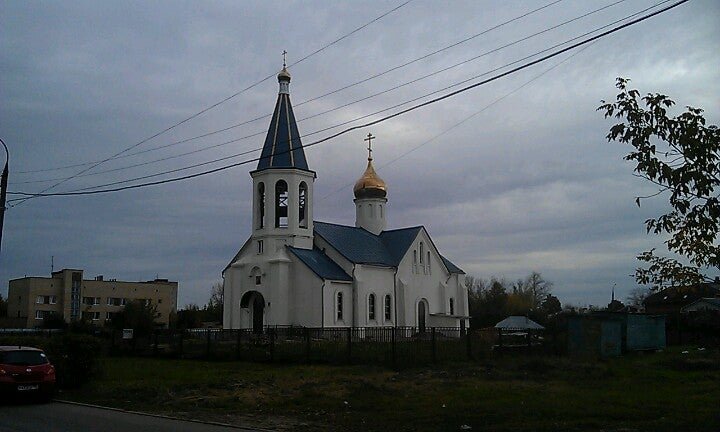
72,297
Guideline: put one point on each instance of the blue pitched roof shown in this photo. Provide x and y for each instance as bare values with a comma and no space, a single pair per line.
452,268
283,148
355,244
363,247
320,264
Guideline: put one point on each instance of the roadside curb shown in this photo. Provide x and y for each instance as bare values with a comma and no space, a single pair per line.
212,423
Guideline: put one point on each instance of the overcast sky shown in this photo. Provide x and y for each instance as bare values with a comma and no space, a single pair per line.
529,183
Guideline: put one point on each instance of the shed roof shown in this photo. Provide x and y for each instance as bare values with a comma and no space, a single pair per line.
518,323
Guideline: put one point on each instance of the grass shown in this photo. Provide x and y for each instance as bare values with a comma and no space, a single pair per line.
644,392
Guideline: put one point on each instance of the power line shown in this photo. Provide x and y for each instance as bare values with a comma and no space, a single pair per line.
394,68
374,122
342,123
355,101
204,110
471,116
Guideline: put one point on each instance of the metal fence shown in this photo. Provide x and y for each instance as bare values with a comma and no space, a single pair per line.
387,345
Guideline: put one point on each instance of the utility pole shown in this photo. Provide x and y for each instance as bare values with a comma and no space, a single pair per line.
3,192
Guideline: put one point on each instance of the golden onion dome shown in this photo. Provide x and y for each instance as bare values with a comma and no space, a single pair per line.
370,185
284,75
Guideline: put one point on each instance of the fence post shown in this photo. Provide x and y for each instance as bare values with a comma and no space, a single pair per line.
394,331
306,332
207,347
238,343
349,344
434,346
180,343
155,343
468,343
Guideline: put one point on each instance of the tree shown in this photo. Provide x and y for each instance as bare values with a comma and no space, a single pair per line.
680,155
214,307
137,315
189,317
534,289
3,307
637,297
551,305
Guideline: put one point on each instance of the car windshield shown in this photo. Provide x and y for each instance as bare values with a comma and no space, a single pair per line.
23,358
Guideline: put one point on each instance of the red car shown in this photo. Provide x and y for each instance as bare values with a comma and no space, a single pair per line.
26,370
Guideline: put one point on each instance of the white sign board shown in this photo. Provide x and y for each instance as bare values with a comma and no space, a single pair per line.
127,333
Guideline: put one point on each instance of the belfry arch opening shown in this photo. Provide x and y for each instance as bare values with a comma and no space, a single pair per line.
281,204
261,205
302,205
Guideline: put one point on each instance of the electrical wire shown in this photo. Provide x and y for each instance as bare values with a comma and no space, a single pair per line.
392,69
204,110
404,84
374,122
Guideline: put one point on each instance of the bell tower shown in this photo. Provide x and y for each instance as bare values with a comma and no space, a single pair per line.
282,181
370,197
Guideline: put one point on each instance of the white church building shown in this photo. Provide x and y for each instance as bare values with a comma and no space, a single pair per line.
296,271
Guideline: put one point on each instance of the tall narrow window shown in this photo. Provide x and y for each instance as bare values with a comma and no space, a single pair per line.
281,204
388,308
421,253
302,205
428,262
261,205
452,306
339,306
414,260
371,307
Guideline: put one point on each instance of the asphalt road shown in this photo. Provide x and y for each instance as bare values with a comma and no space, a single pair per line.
60,417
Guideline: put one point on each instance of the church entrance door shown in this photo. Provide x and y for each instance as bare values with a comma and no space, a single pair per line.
258,308
421,316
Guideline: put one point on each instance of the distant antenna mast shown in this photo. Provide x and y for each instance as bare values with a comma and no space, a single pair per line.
612,299
52,263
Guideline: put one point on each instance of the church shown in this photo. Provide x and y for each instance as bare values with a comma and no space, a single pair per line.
296,271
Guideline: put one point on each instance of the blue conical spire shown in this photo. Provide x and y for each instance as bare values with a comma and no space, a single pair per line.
283,148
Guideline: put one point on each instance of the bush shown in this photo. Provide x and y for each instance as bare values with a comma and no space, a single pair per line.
75,356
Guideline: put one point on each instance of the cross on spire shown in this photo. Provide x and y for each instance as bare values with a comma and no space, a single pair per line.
369,139
284,63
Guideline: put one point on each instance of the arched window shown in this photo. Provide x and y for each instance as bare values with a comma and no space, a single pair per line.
452,306
388,307
261,205
339,303
371,307
281,204
414,260
256,274
428,262
421,253
381,211
302,205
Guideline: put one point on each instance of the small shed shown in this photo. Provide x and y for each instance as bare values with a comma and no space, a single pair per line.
516,331
608,334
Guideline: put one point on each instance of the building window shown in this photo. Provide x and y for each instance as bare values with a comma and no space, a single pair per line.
258,280
421,253
261,205
51,299
94,316
371,307
39,315
281,204
388,308
302,205
452,306
381,211
260,247
427,263
339,306
116,301
414,260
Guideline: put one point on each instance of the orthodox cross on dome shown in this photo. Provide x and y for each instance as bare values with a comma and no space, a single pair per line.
284,59
369,139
